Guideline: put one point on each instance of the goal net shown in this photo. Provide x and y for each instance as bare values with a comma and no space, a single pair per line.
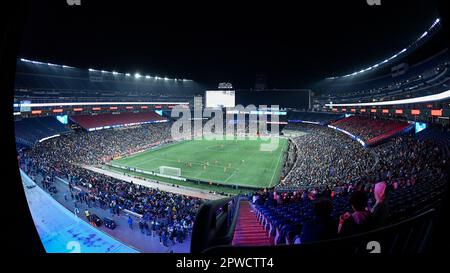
172,171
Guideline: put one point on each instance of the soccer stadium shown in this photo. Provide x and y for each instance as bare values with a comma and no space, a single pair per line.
170,154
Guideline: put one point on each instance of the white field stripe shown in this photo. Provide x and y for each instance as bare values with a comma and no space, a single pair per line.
276,167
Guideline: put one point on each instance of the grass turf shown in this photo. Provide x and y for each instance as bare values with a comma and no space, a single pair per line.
233,162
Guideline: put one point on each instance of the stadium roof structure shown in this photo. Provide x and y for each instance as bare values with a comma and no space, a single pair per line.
136,75
402,53
436,97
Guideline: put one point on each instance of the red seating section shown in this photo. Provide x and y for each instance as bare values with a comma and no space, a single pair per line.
371,129
109,119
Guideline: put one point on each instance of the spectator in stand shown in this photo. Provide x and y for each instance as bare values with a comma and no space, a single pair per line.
359,220
322,226
380,211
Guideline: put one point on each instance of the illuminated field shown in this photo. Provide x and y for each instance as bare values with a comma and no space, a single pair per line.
233,162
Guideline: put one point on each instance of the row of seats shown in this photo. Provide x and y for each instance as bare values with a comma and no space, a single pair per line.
109,119
284,222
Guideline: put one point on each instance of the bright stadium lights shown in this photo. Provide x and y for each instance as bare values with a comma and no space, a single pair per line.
424,34
414,44
136,75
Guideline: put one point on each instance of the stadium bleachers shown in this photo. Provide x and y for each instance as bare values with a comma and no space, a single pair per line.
314,117
31,130
283,222
102,120
439,135
428,77
372,130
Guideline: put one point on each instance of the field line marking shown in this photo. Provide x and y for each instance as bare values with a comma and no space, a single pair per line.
234,172
276,167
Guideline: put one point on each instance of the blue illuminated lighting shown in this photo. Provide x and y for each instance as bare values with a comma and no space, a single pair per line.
63,119
420,126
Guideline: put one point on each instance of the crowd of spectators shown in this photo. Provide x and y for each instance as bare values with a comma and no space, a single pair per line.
325,157
322,162
348,185
169,216
95,147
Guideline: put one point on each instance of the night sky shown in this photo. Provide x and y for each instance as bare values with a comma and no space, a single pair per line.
294,45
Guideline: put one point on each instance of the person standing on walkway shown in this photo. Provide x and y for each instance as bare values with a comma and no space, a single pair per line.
141,226
88,215
146,228
76,211
130,222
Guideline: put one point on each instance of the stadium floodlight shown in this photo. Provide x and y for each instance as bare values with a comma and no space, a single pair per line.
115,73
103,71
127,74
137,75
91,70
147,77
166,79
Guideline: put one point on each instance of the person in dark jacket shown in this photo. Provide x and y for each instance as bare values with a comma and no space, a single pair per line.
141,226
380,210
358,221
322,226
130,222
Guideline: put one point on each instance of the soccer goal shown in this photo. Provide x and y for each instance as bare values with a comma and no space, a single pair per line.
172,171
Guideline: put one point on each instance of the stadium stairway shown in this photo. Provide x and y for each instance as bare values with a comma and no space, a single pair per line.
248,231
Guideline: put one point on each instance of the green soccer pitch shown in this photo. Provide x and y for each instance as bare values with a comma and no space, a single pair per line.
232,162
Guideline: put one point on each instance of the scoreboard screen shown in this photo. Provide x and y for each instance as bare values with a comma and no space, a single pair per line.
220,98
